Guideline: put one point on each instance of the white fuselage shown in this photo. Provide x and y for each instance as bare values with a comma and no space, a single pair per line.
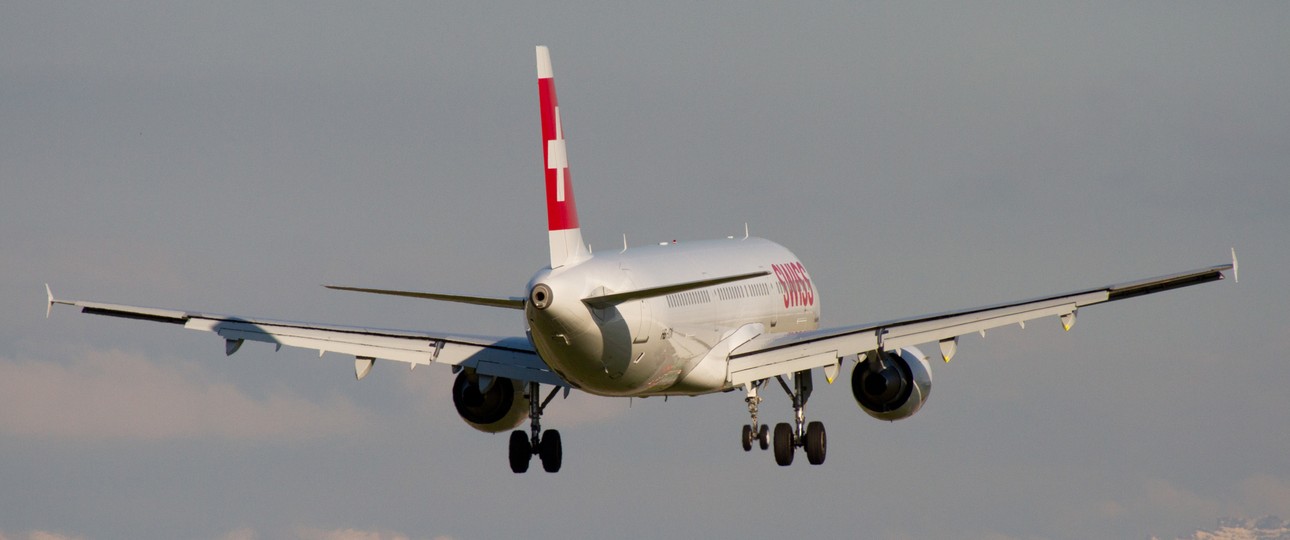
655,346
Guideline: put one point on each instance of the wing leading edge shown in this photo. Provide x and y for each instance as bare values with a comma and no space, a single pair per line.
510,357
781,354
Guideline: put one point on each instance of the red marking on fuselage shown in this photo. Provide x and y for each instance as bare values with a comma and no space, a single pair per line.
560,214
795,284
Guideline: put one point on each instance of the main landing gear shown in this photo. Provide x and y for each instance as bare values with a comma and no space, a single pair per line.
787,438
546,446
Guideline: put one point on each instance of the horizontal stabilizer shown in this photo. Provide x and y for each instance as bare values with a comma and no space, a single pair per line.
511,303
618,298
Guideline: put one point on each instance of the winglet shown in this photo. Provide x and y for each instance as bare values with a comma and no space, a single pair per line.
1236,270
50,301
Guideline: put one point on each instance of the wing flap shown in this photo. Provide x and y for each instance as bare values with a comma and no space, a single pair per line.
129,312
754,368
397,349
936,330
1173,281
779,354
511,357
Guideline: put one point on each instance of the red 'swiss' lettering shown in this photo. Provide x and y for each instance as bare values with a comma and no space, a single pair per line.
795,284
779,275
807,289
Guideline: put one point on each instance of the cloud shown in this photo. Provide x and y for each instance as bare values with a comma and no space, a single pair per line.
119,395
1263,495
40,535
313,533
244,533
1252,496
1165,497
352,534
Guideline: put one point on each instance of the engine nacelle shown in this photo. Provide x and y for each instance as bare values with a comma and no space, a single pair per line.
501,408
893,388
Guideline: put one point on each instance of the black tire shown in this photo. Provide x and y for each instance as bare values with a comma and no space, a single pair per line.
763,437
747,437
783,444
816,443
551,451
521,452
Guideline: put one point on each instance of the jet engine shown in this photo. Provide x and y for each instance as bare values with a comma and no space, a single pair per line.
501,406
891,385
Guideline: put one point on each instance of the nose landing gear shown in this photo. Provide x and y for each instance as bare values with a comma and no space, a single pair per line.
755,432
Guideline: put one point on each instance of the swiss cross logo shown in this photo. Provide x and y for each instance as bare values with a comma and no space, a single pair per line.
795,284
561,212
557,158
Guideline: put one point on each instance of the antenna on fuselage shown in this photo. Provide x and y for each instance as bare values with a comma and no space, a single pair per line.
745,230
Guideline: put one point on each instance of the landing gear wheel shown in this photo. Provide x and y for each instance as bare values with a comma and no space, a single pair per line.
747,437
763,438
783,444
549,450
816,443
521,452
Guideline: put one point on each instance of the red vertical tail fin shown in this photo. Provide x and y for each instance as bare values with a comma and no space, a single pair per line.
562,213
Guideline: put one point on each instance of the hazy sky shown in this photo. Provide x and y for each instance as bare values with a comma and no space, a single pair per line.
230,157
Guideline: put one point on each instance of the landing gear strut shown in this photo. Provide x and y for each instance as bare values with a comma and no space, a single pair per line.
547,447
803,434
755,431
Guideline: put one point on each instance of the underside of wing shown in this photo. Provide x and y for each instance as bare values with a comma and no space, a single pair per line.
510,357
778,354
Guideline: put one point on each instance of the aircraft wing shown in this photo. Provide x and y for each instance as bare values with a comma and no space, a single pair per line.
510,357
780,354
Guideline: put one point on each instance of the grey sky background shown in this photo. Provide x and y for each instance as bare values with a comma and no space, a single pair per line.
232,157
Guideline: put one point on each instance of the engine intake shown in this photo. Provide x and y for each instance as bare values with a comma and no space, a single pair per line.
502,407
891,385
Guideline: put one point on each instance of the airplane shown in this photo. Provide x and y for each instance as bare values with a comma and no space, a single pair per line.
675,319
